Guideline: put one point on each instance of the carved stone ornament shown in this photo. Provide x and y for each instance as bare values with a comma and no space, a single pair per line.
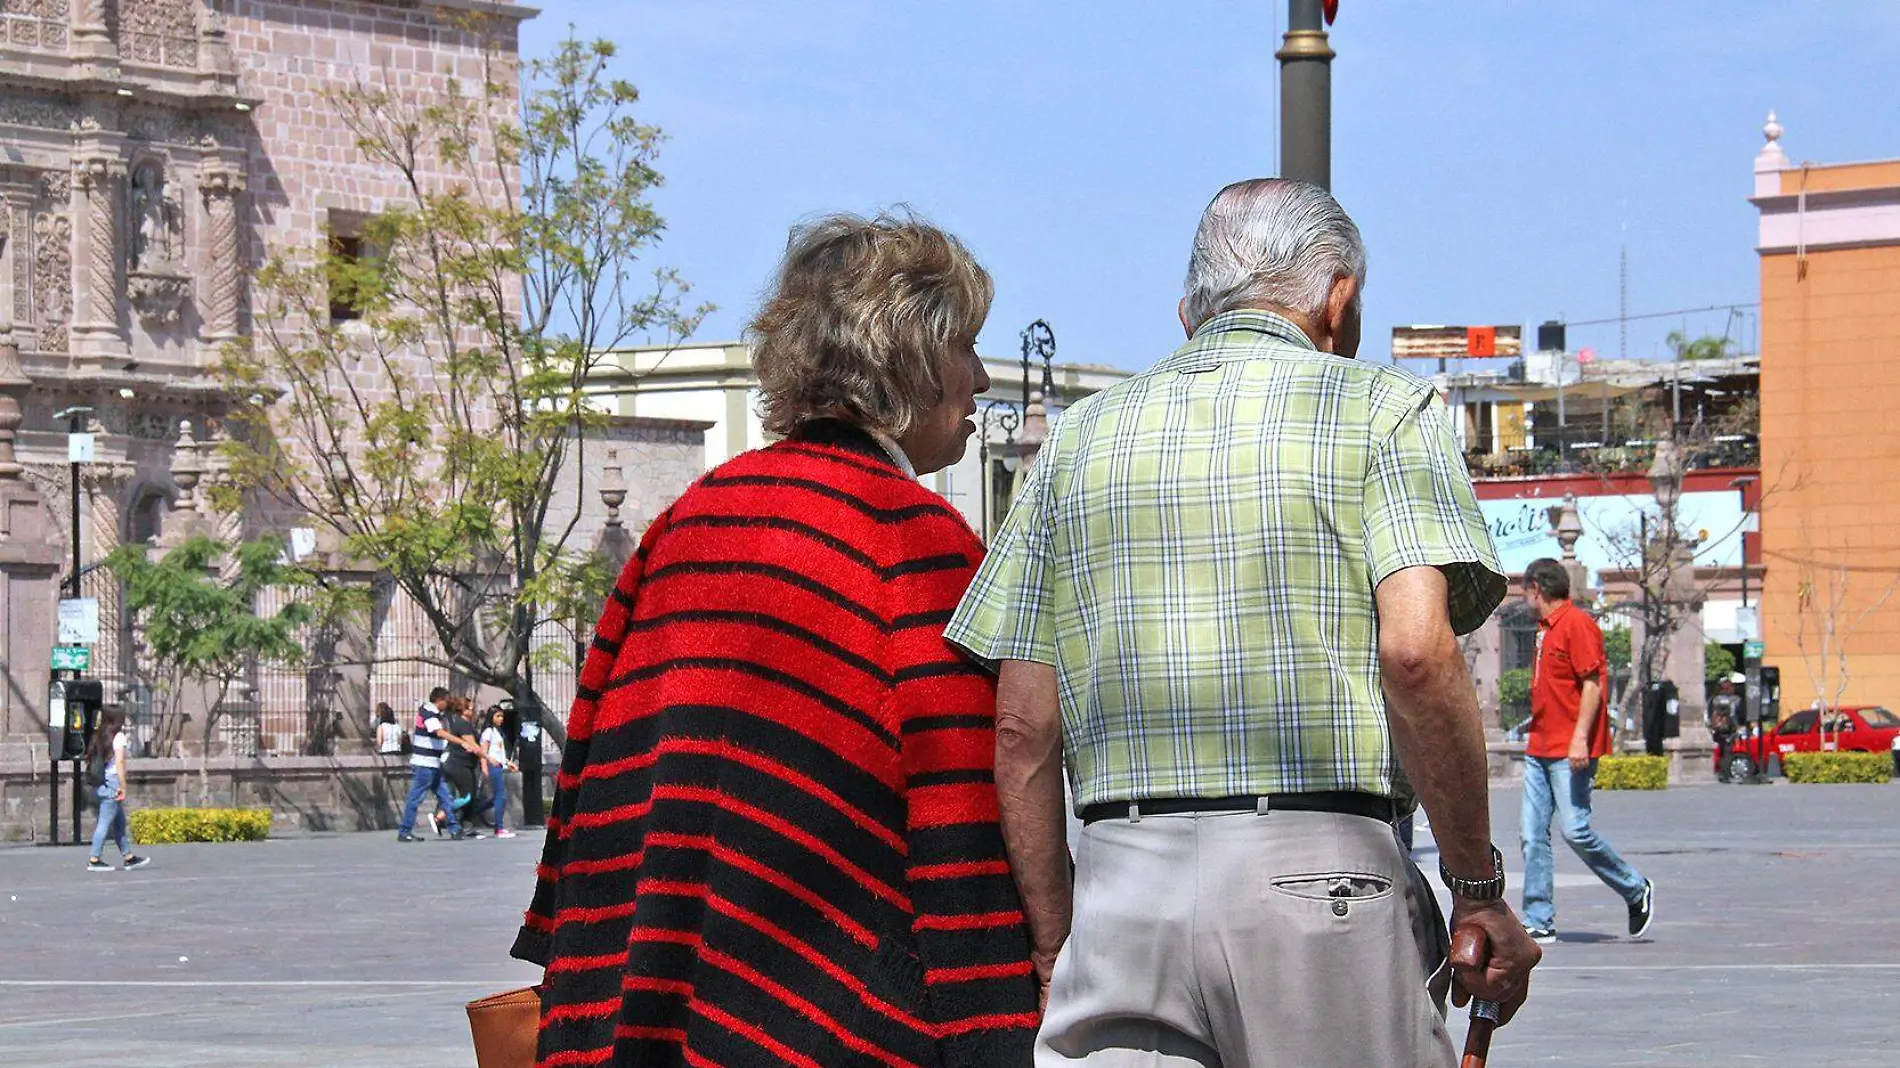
57,187
157,297
157,220
53,279
159,32
21,109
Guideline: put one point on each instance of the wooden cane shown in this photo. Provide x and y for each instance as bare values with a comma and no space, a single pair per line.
1484,1014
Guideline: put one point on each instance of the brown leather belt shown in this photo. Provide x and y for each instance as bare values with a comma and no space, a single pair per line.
1348,802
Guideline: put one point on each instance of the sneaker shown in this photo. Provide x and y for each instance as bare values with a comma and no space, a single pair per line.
409,838
1643,911
470,835
504,834
437,820
95,864
1543,936
135,861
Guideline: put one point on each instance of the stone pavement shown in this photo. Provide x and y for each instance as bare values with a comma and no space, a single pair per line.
1776,944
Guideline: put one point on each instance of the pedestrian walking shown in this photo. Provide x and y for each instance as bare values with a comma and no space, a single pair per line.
108,761
1210,578
388,731
462,764
777,840
429,740
1569,733
494,741
1725,720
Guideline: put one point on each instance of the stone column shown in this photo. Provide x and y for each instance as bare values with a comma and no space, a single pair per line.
91,37
30,559
220,183
103,487
98,175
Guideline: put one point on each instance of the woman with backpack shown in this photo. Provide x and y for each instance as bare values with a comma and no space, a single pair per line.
106,765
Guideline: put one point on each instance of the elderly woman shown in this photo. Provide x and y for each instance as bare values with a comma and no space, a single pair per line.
775,836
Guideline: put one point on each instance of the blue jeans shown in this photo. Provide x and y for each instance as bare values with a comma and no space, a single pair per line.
498,782
426,781
112,825
1550,785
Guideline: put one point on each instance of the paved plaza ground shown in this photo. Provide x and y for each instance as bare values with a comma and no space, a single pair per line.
1778,943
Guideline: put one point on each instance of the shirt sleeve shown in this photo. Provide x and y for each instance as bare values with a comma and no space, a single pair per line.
1006,614
432,724
1420,510
1585,647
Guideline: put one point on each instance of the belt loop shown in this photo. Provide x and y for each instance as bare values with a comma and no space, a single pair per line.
1262,805
1134,812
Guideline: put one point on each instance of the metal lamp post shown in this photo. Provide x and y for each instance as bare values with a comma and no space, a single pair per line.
1038,347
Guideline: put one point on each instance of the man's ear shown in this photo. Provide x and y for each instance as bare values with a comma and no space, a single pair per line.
1181,311
1342,316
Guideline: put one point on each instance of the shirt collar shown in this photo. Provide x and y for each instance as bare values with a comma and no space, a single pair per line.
1550,620
894,451
1257,321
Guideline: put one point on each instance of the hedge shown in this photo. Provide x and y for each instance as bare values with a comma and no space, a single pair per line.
1632,773
166,826
1837,767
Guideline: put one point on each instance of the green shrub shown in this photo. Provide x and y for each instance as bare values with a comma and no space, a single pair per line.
168,826
1632,773
1837,767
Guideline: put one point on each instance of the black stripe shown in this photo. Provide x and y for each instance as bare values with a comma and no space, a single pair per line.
939,670
947,778
882,515
760,671
939,618
586,693
623,598
606,645
920,724
764,622
884,470
772,571
742,522
924,565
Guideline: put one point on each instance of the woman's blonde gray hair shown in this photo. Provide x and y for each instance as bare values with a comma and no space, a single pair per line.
862,316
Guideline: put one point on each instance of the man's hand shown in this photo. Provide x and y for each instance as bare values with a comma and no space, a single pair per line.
1498,968
1579,755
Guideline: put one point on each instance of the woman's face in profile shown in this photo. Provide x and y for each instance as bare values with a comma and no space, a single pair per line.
940,435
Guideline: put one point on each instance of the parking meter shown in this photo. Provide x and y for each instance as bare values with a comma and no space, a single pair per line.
528,757
1770,694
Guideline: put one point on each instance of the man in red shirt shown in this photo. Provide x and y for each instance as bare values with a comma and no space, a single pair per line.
1569,731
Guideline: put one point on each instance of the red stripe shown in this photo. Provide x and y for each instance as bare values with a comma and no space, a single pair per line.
650,985
586,964
611,864
606,816
579,1056
963,869
789,830
812,1012
728,751
615,767
992,1022
537,922
581,1010
638,1033
970,921
977,971
706,844
698,1059
954,803
755,1034
577,914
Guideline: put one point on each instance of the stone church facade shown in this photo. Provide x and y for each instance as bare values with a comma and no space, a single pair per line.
152,154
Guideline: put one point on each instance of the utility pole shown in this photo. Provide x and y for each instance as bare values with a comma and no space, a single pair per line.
1306,94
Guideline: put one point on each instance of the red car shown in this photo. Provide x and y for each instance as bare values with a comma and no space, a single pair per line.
1850,728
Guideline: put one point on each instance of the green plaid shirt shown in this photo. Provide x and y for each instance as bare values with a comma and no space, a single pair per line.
1196,552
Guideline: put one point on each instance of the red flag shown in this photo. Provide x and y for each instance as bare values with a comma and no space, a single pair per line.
1332,11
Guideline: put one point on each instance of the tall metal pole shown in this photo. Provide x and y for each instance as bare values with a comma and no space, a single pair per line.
73,428
1306,96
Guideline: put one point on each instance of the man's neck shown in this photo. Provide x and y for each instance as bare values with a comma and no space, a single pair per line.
1308,324
1547,609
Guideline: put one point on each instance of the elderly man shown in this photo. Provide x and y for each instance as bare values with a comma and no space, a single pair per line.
1229,593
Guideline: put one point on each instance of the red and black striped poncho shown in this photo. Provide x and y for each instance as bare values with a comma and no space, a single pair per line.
775,835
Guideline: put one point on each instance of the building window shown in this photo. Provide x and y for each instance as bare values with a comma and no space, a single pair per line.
351,266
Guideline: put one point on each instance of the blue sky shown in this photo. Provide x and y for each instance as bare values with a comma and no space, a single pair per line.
1496,154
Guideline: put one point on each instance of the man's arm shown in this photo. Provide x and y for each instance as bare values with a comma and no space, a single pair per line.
1589,704
1433,712
1029,791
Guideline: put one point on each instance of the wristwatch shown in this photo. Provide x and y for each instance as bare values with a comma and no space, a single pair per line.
1476,889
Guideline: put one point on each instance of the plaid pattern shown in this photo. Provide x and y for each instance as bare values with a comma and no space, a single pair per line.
1196,551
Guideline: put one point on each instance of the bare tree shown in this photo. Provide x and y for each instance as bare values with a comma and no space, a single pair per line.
1824,622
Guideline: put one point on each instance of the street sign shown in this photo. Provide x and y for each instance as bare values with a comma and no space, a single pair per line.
79,448
78,620
1753,650
71,658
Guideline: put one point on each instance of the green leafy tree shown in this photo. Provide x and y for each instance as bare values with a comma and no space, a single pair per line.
1514,697
1717,662
1707,347
196,612
428,427
1617,649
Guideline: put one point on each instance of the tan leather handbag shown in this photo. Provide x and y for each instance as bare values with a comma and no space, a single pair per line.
506,1027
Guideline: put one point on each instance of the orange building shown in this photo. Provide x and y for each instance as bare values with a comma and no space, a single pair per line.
1830,411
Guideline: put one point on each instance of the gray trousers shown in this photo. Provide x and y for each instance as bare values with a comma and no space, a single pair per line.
1249,940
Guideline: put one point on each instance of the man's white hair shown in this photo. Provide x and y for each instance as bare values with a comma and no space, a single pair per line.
1271,241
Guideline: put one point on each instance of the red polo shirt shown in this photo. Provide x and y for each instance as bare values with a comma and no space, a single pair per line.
1569,648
